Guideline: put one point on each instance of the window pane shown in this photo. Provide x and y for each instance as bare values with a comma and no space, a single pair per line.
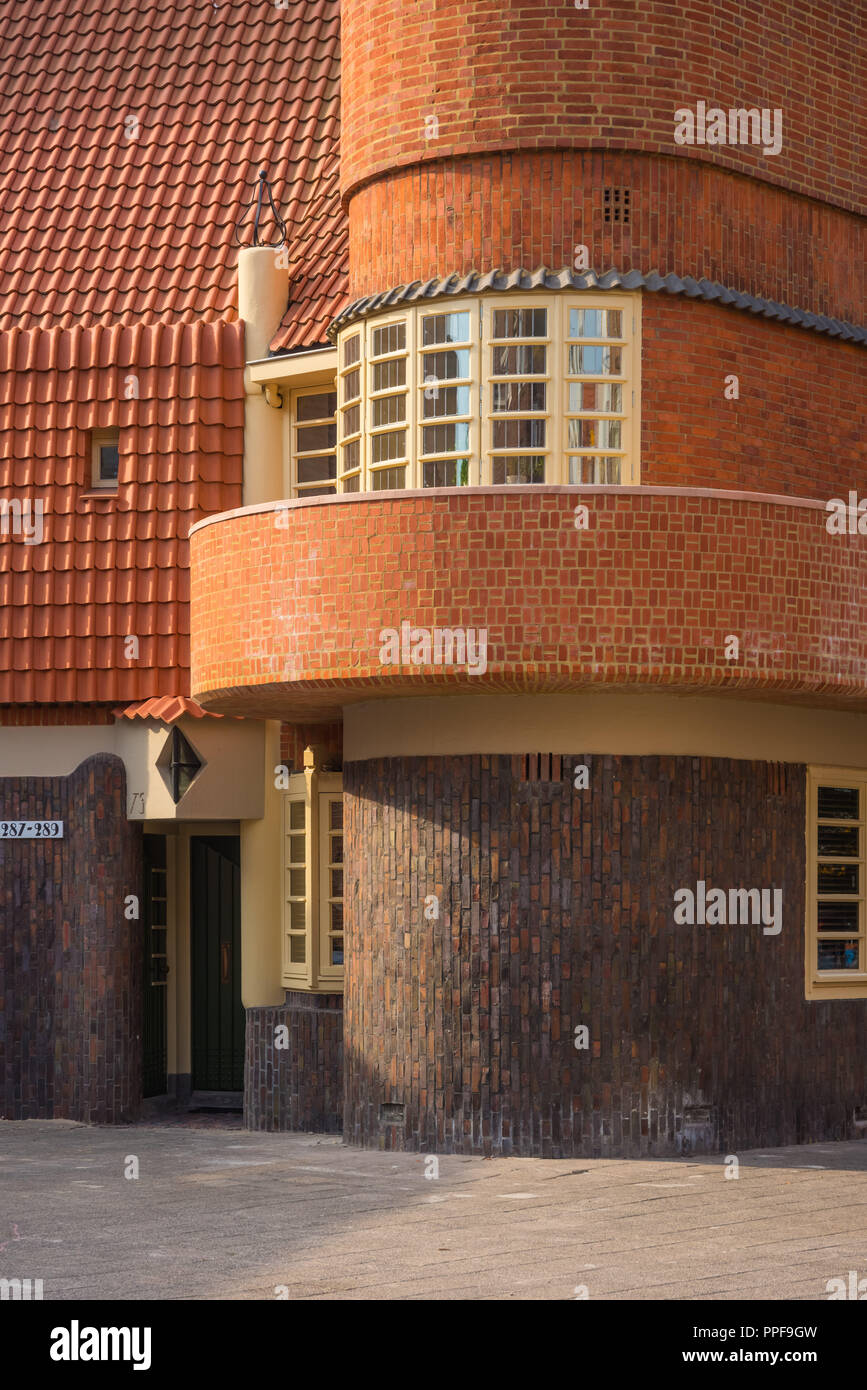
447,473
388,446
298,917
317,470
519,361
108,462
335,819
297,887
352,420
839,841
318,491
351,455
296,815
522,468
838,955
392,338
351,350
837,878
594,470
838,803
315,437
389,410
519,395
337,883
518,434
351,385
594,434
388,375
837,917
296,849
352,484
445,400
445,328
337,950
445,439
594,395
297,950
595,361
595,323
337,917
520,323
386,479
319,407
446,366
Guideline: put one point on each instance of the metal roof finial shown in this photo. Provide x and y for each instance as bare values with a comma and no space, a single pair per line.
264,187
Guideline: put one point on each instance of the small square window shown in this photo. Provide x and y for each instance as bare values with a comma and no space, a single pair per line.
105,459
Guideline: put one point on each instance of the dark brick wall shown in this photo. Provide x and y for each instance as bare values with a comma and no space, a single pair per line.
556,909
70,962
299,1087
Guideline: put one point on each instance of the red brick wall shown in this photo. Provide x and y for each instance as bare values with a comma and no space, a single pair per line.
549,918
286,619
508,74
798,427
523,210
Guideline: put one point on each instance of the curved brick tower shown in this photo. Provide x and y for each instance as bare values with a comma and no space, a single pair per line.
600,374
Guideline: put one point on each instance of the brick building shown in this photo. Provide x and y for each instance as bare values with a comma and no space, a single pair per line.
509,792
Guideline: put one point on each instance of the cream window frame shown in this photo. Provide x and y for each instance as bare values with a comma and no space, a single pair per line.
100,439
297,456
315,974
480,420
328,971
835,984
440,309
549,415
372,431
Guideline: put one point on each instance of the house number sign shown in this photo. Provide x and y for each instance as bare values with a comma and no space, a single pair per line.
31,829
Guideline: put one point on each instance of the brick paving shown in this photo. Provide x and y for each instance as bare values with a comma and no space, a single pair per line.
220,1213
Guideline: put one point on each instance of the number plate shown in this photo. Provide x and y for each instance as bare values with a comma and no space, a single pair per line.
31,829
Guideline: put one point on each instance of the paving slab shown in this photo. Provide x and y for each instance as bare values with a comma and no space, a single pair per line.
212,1211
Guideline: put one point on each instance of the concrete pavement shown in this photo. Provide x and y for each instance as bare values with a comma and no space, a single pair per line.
219,1213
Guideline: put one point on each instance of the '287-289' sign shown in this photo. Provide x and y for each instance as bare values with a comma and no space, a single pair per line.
31,829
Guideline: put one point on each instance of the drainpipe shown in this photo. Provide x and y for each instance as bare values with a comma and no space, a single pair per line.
263,293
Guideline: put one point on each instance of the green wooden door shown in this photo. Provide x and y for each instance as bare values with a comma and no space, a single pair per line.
155,919
215,942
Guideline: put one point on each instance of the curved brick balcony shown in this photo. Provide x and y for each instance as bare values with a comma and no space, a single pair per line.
289,600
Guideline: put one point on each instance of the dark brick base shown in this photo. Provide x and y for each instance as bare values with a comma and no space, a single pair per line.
556,910
70,961
299,1087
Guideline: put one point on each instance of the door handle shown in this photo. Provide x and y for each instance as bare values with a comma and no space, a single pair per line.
225,950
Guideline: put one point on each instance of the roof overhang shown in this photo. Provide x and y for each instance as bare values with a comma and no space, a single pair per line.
315,368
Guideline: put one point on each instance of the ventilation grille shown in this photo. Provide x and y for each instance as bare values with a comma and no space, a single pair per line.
540,767
616,205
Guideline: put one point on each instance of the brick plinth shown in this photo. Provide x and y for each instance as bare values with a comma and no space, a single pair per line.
555,909
70,961
299,1086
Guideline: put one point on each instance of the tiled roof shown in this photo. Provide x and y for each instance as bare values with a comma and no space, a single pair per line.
132,139
168,709
498,281
132,142
111,566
